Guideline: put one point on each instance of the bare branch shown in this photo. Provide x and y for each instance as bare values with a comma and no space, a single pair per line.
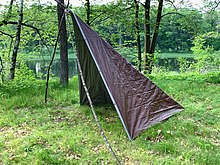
52,58
2,67
3,33
216,4
10,9
97,17
172,3
30,26
172,13
110,15
8,16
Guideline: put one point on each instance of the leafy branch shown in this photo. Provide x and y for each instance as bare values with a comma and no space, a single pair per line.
27,25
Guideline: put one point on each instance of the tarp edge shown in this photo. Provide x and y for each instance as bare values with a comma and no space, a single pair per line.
174,112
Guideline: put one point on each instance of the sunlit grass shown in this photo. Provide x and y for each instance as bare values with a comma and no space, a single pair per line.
62,132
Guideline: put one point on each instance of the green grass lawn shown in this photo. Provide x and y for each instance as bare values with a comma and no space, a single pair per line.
62,132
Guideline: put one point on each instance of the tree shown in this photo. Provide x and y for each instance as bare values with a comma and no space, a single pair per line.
8,16
63,44
212,5
17,41
137,29
36,33
88,11
184,24
150,44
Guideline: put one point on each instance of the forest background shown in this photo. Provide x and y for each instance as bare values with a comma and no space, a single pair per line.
187,34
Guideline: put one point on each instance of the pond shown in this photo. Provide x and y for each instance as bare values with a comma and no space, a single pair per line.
172,64
40,66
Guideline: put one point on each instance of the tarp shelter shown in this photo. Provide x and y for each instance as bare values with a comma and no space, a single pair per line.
111,79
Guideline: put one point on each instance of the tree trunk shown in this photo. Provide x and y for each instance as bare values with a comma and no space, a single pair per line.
154,37
151,44
63,45
17,41
137,28
147,34
9,10
88,12
1,65
157,24
1,70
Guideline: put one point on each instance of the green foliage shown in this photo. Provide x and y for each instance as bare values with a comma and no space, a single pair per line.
211,77
184,65
206,55
177,30
203,59
115,23
6,65
22,72
36,15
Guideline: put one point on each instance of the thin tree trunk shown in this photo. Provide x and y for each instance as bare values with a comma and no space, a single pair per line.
10,10
52,58
147,34
63,46
154,37
9,52
88,12
137,28
1,67
150,44
17,41
157,25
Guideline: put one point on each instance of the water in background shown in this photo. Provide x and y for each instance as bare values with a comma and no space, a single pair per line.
39,67
171,64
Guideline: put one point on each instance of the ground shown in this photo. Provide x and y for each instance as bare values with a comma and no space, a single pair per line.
63,132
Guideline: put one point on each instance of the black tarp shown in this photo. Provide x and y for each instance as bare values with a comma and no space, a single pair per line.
111,79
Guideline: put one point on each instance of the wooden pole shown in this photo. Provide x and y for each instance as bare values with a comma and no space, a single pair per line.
51,61
90,101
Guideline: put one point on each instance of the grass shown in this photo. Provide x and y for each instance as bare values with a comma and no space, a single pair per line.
62,132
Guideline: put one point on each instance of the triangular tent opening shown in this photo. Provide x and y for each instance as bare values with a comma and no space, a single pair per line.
111,79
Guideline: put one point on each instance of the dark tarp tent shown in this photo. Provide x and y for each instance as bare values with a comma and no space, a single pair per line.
111,79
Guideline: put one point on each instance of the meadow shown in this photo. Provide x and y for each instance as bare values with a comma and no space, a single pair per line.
63,132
